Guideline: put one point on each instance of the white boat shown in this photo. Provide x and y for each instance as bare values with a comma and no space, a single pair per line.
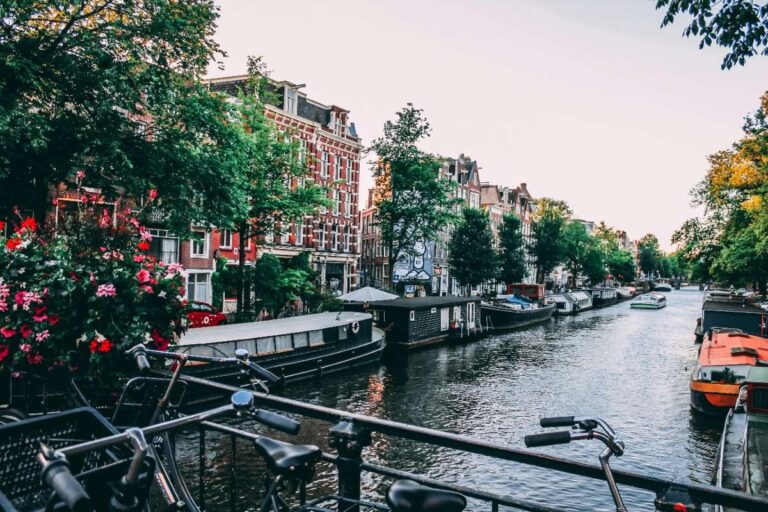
571,303
649,301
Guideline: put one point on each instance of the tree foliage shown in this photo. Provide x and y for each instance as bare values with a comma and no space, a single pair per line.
649,254
621,265
512,251
471,254
740,26
414,202
582,253
113,87
549,220
276,285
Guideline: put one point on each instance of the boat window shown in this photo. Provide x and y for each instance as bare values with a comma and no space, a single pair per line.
227,348
202,350
315,338
343,332
283,343
457,313
560,305
265,345
412,316
250,346
300,340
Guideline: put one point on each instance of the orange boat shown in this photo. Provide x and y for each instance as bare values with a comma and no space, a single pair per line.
724,362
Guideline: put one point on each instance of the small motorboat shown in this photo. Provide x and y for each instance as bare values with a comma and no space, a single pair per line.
742,457
725,359
649,301
662,287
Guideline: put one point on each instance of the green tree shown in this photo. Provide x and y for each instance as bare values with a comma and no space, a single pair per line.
113,88
649,254
512,268
582,253
549,219
414,202
740,26
277,284
472,257
621,265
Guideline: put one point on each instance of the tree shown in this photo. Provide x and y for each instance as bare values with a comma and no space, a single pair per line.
741,26
621,265
113,88
549,219
276,285
512,268
471,255
649,253
582,253
414,202
607,238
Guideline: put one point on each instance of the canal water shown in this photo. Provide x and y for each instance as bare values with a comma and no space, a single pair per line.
629,367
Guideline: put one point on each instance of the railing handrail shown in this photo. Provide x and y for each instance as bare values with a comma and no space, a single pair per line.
702,492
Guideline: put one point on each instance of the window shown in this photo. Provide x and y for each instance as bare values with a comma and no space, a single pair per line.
321,238
335,239
198,286
290,100
283,343
343,333
285,235
324,164
164,247
350,170
336,201
348,204
412,316
299,233
337,168
226,238
300,340
316,338
444,312
457,313
199,245
265,345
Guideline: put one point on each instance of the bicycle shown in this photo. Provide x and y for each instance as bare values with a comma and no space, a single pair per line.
596,428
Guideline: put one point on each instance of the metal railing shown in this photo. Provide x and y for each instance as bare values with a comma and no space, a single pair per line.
351,433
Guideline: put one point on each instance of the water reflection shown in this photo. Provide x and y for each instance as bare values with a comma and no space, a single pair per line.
630,367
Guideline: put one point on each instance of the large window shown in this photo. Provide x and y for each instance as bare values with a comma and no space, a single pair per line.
348,204
226,238
321,238
324,164
350,169
199,244
299,233
164,247
337,167
198,286
336,201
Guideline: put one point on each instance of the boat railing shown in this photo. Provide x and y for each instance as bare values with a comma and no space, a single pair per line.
350,434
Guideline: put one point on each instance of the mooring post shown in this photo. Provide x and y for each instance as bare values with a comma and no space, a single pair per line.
349,439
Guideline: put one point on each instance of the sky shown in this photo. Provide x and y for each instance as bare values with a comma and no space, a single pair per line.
586,101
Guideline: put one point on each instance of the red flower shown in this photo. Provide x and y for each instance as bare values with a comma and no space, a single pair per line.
2,224
105,346
34,359
13,243
152,194
4,351
8,332
161,342
143,276
53,319
29,224
143,245
25,330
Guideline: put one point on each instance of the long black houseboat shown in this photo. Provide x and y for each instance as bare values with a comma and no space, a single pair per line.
419,321
512,312
296,348
723,310
604,296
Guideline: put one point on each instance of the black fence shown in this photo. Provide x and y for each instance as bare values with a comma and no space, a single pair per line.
351,433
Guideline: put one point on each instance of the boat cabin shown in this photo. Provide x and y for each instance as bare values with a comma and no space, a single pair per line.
534,292
571,303
419,321
734,313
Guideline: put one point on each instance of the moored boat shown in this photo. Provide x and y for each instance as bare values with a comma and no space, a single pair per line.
742,457
626,292
724,361
513,311
649,301
721,309
570,303
603,296
294,348
662,287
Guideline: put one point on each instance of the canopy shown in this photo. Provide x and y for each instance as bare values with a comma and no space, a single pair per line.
523,302
367,294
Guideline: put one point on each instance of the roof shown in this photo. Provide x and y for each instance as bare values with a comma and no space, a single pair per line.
264,329
422,302
735,305
729,348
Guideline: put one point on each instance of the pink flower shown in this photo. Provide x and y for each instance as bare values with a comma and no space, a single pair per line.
39,317
146,236
138,258
34,359
106,290
174,268
25,330
25,347
80,174
152,194
8,332
143,276
42,336
4,351
146,288
20,297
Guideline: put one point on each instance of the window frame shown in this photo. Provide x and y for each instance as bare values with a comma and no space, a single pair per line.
206,245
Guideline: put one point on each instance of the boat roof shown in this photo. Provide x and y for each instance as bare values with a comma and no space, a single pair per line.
733,348
571,296
267,328
732,304
422,302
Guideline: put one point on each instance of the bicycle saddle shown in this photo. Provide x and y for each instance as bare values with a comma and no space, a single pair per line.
409,496
288,459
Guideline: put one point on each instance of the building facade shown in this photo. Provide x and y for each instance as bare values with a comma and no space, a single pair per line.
332,149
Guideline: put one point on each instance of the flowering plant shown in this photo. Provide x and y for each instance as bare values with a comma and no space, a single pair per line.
74,298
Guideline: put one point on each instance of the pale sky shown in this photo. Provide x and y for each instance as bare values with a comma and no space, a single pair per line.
586,101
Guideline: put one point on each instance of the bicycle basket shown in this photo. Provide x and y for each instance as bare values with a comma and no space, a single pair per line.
20,471
139,399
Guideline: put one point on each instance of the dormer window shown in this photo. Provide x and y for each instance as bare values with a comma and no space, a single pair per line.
290,102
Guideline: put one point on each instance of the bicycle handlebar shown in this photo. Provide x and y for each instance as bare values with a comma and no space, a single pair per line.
277,421
547,439
142,363
57,476
558,421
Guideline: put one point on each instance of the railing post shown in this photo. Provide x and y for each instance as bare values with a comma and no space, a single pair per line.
349,439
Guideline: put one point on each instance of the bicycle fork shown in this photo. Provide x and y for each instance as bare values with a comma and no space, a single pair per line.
604,457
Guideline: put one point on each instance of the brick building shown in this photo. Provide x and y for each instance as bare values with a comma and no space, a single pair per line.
332,148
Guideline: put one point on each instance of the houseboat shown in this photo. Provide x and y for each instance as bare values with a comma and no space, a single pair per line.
604,296
648,301
626,292
662,286
420,321
571,303
721,309
725,359
533,292
294,348
513,311
742,457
